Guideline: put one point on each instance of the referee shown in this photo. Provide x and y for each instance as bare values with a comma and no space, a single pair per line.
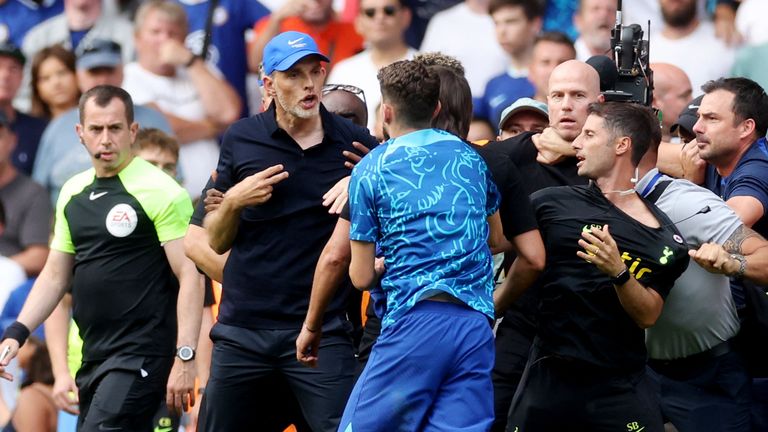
611,260
118,242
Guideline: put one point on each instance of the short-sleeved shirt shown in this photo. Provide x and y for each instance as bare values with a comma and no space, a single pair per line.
580,316
268,276
337,40
123,289
749,178
28,214
699,312
500,92
424,198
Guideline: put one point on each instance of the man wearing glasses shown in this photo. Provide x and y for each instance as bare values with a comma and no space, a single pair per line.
382,23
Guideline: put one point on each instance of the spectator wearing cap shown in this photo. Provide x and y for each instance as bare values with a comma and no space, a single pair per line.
594,20
382,23
683,126
274,169
671,93
28,213
62,155
28,129
337,39
525,115
517,23
194,97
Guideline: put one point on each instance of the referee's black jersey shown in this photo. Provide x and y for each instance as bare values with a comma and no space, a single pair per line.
580,314
124,292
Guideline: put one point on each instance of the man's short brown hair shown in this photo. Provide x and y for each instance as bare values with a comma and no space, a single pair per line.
412,89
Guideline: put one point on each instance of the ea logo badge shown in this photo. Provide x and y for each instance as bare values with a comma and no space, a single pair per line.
121,220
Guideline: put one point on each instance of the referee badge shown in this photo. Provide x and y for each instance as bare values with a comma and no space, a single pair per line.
677,238
121,220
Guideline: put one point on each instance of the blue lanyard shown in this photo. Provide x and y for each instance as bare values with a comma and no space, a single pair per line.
651,184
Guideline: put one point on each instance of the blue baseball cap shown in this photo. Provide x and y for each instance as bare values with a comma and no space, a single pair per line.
286,49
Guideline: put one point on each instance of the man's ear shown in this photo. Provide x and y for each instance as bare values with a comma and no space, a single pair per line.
601,98
747,128
269,85
79,132
437,110
623,145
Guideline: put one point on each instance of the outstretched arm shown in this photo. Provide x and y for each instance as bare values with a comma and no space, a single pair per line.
180,391
329,273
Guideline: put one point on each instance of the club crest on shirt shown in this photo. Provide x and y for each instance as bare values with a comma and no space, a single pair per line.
121,220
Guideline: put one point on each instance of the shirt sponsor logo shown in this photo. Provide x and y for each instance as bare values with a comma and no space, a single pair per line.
121,220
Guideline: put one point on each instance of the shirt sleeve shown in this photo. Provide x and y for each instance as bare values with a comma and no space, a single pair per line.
700,215
62,238
362,188
224,170
199,213
172,220
753,183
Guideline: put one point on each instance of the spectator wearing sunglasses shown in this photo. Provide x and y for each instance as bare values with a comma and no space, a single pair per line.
382,23
338,40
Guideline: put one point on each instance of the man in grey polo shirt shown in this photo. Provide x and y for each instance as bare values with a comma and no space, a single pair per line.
704,383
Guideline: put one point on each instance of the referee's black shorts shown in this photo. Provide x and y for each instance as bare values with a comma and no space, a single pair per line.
557,394
121,393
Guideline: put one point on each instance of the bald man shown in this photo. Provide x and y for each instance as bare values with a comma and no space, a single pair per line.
544,160
671,93
343,100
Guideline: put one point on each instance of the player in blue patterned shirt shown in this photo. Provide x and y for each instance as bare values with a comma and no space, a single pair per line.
426,198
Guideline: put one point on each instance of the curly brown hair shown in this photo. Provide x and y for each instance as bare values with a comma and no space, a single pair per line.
414,91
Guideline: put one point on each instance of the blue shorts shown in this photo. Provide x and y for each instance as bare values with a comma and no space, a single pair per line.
429,371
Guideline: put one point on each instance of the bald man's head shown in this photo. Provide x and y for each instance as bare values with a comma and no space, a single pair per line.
671,93
573,85
347,105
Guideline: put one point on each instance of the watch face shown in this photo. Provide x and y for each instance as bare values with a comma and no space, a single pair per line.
185,353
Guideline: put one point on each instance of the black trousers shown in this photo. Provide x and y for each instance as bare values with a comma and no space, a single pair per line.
245,363
557,394
121,393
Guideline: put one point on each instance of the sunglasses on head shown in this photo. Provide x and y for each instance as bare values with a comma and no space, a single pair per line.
388,11
357,91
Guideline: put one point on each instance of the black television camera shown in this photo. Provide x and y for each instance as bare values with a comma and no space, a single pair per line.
634,79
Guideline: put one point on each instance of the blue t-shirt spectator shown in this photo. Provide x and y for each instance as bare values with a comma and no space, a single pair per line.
501,92
749,178
13,306
18,16
424,198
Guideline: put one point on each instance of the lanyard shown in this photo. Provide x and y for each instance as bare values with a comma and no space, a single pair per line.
651,184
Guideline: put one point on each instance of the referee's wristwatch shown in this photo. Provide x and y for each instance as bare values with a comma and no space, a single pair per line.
185,353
